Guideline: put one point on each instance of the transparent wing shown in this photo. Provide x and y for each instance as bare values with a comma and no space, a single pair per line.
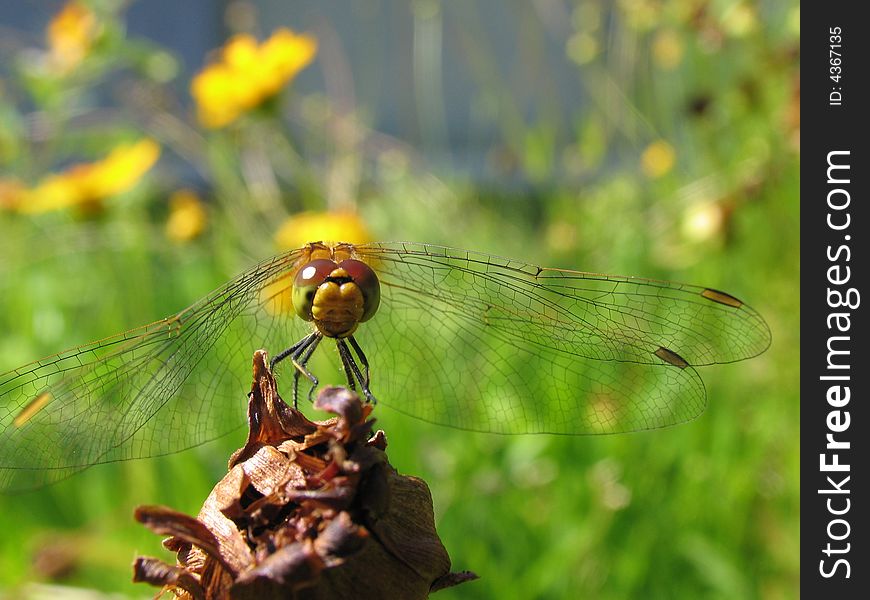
489,344
158,389
461,339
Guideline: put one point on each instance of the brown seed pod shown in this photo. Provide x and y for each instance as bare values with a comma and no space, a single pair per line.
308,510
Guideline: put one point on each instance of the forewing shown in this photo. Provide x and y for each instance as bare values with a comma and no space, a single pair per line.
485,343
158,389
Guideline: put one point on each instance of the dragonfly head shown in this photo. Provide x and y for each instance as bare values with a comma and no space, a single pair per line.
337,297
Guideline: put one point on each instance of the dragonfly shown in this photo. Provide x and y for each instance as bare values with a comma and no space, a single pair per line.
452,337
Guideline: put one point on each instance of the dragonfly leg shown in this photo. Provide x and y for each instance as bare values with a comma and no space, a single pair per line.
346,360
301,363
294,350
299,354
363,380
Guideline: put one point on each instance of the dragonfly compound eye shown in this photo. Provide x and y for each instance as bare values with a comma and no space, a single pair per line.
305,285
368,283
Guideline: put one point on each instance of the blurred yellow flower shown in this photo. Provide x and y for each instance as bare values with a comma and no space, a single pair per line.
561,236
640,15
667,49
187,216
658,159
90,183
740,19
70,35
582,48
11,193
248,74
305,227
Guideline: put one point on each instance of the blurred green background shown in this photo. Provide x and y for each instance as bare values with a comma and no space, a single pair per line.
637,137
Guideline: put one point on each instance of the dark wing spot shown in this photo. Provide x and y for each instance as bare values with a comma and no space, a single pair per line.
671,357
721,298
33,407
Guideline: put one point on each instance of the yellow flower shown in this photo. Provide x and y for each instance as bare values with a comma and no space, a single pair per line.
248,73
70,35
306,227
187,216
740,20
658,159
90,183
582,48
667,49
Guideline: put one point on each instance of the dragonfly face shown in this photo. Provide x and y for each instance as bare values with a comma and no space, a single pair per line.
336,297
458,338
